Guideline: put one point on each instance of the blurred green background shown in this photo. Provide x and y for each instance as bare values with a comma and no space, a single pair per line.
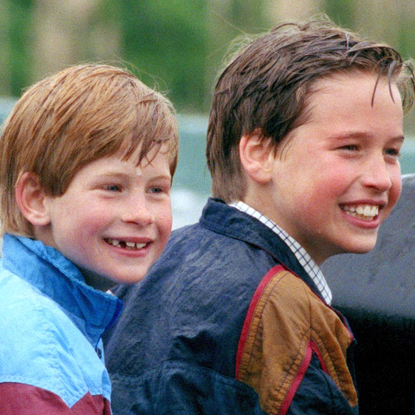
176,47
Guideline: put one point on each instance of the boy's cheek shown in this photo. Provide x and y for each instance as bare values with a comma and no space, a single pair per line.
394,196
166,228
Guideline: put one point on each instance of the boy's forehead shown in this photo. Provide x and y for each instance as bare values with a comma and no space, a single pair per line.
346,106
344,78
116,165
345,86
138,167
143,155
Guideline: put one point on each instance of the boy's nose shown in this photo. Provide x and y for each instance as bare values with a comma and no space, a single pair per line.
378,175
137,211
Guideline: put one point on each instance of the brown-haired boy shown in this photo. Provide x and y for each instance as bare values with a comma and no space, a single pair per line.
87,158
303,142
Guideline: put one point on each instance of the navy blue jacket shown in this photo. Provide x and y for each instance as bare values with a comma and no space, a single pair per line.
228,322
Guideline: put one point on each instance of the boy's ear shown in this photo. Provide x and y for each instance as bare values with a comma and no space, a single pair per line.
256,155
30,197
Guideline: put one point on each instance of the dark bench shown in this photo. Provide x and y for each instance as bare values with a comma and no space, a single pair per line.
376,292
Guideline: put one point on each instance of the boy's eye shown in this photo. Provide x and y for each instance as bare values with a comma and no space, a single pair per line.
350,147
156,190
160,189
112,188
393,152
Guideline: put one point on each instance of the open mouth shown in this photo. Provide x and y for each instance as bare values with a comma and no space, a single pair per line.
364,212
125,244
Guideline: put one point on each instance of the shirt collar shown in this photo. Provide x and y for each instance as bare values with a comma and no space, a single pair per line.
309,265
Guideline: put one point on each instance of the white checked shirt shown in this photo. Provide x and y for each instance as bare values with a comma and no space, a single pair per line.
312,269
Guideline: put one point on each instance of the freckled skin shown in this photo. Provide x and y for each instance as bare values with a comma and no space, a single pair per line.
112,199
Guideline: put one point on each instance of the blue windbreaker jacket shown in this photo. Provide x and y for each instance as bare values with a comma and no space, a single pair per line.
51,325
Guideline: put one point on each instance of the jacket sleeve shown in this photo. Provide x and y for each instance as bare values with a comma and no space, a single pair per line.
292,350
23,399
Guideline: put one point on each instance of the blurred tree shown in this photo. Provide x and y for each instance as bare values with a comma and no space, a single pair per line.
72,31
228,21
295,9
5,85
389,21
176,46
15,35
341,12
167,42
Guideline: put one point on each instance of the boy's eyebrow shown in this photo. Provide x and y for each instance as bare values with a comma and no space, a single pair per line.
361,134
111,174
117,174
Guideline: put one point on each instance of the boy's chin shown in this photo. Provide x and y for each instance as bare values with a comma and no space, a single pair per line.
357,245
362,248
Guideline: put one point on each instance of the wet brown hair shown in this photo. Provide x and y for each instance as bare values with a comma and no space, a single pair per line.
70,119
267,85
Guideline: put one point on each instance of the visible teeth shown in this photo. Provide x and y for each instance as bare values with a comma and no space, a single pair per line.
362,211
123,244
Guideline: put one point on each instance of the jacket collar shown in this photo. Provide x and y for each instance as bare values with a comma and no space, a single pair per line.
221,218
45,268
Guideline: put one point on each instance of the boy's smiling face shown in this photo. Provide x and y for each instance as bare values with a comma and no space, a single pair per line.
114,220
337,176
